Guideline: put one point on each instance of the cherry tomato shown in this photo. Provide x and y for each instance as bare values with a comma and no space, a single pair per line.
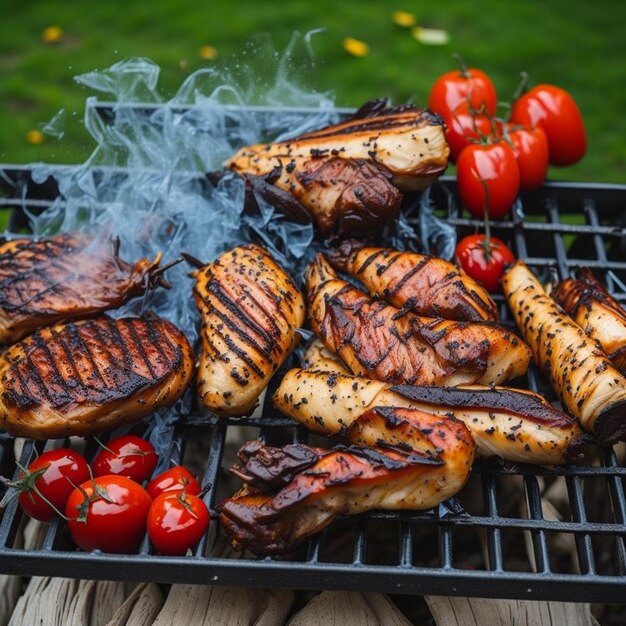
128,456
53,475
176,522
487,269
470,84
554,110
530,146
465,126
108,513
173,480
488,176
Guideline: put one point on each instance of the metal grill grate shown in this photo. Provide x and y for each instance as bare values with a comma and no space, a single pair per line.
501,537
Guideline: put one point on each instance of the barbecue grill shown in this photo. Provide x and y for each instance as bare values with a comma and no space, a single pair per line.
496,539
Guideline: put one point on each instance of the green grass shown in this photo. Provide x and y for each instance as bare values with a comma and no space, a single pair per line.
579,46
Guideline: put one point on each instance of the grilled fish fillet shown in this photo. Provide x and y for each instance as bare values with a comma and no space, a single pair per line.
250,312
68,276
515,425
585,380
376,340
91,376
321,484
347,175
599,314
422,284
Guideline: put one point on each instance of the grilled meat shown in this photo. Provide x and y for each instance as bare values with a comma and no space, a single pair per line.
376,340
317,485
64,277
91,376
599,314
250,312
347,175
318,357
585,380
422,284
516,425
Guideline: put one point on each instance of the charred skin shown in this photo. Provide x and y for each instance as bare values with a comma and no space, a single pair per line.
515,425
343,481
376,340
601,316
585,380
91,376
422,284
349,176
250,312
65,277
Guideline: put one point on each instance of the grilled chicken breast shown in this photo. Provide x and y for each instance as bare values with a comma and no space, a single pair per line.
250,312
585,380
515,425
597,312
68,276
347,175
376,340
317,485
91,376
422,284
318,357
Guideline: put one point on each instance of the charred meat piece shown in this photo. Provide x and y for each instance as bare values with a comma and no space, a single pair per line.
250,312
422,284
585,380
351,480
515,425
318,357
91,376
597,312
376,340
348,175
68,276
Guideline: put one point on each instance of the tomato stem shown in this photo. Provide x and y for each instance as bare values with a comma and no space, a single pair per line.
462,66
521,87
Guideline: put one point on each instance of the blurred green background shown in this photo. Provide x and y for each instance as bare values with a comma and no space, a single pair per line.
577,45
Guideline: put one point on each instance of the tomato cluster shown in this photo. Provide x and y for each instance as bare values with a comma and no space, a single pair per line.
105,504
497,158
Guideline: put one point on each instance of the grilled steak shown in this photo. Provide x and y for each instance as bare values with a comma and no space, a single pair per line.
581,374
376,340
91,376
68,276
250,312
422,284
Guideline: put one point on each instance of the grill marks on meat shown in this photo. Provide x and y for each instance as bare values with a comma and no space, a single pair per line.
585,380
601,316
63,277
90,376
395,459
422,284
379,341
250,312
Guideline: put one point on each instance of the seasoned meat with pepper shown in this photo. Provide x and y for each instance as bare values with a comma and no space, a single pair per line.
376,340
516,425
70,276
425,285
585,380
597,312
250,312
91,376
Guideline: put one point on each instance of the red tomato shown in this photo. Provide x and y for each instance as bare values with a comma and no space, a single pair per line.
108,513
554,110
128,456
173,480
488,176
465,126
176,522
486,268
530,146
52,476
452,88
